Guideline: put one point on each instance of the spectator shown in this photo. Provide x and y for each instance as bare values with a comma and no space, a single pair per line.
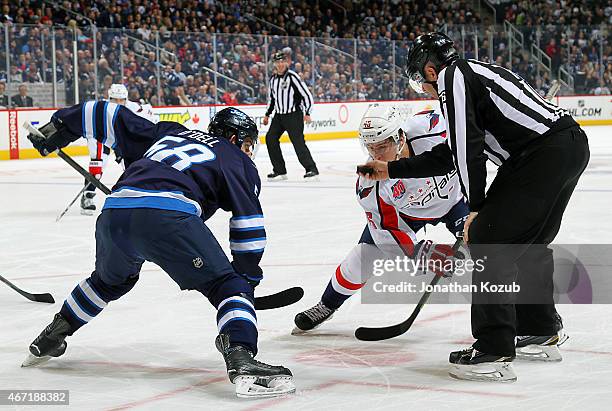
229,98
4,100
22,99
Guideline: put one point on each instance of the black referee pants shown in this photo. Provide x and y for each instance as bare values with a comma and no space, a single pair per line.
521,215
293,124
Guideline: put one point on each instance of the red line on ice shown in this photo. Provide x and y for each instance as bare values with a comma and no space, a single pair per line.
442,316
165,395
586,351
153,368
85,274
412,387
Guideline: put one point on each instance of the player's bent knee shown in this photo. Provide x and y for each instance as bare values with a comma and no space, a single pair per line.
226,286
111,290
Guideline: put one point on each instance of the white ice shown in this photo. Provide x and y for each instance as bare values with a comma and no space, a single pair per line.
153,349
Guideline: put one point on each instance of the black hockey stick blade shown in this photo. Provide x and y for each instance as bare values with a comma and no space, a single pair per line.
280,299
39,298
392,331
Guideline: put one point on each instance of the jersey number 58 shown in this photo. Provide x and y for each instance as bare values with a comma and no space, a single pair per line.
179,153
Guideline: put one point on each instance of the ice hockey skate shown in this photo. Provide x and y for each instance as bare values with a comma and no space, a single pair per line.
540,348
277,177
50,343
471,364
312,175
253,379
88,206
312,318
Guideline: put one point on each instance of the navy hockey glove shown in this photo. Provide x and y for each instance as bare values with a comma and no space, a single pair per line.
438,259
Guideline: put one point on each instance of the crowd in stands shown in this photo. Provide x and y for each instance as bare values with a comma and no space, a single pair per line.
574,34
323,39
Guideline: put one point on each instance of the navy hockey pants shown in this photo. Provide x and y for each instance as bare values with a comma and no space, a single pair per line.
183,247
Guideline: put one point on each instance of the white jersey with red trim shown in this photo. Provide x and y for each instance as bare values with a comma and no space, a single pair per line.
142,110
391,204
98,153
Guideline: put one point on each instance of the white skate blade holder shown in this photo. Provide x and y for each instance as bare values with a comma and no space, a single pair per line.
32,360
258,387
535,352
299,331
490,371
281,177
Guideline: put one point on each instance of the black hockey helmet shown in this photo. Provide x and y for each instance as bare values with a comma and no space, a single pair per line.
436,48
231,121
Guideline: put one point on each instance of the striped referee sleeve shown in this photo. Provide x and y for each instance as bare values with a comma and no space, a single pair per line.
466,138
271,99
302,89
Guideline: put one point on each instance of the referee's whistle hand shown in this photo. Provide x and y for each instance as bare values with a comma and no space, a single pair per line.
266,119
380,171
307,119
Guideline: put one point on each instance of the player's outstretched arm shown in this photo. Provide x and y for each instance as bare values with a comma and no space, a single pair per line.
436,162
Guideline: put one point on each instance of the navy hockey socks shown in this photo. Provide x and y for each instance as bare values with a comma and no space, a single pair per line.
82,305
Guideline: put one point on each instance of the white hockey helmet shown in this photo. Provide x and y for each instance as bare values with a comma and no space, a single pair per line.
118,91
380,123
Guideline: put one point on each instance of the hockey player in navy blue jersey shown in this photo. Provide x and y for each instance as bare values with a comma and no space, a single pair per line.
111,124
156,212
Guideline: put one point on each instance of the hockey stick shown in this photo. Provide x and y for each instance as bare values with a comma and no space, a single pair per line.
553,90
267,302
384,333
91,179
71,203
39,298
280,299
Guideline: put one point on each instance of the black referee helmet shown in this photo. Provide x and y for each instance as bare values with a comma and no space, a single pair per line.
435,48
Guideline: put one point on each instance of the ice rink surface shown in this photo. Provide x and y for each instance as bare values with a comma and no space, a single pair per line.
154,348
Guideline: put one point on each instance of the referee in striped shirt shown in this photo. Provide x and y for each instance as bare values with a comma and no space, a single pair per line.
492,113
292,102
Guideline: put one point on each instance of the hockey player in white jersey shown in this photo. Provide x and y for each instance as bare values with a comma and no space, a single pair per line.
98,153
118,93
396,208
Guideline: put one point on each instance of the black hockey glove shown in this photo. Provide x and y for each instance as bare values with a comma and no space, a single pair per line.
54,136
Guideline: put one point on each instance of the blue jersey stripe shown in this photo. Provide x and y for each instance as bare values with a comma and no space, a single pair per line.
248,240
93,120
247,217
247,228
259,250
159,203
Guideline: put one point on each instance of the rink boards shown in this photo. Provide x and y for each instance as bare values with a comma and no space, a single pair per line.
329,120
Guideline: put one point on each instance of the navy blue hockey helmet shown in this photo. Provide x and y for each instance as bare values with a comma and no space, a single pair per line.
231,121
435,48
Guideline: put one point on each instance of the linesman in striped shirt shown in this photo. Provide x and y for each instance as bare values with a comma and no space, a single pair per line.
492,113
292,102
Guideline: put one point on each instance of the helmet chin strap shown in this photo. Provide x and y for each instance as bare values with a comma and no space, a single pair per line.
399,150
